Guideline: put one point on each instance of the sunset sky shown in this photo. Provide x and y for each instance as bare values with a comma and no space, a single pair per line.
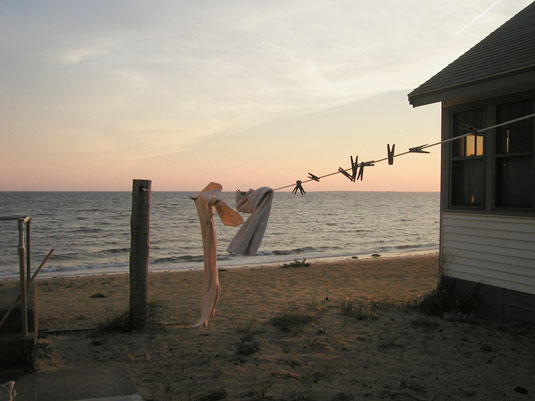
245,93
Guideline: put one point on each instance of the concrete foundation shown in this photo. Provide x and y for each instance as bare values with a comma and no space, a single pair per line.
495,303
18,351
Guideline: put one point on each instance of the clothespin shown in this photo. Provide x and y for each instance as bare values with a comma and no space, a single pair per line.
298,187
390,153
341,170
354,167
313,177
361,171
418,149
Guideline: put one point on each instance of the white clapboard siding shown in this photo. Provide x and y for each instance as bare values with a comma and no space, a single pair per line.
490,249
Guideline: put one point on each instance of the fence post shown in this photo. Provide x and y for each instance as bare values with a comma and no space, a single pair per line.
139,254
22,273
29,249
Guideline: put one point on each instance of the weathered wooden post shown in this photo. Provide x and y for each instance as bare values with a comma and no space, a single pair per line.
139,254
29,249
22,273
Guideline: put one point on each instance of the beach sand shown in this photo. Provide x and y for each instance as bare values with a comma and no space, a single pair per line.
295,333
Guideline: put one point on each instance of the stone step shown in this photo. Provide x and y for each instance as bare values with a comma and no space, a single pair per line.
105,383
98,383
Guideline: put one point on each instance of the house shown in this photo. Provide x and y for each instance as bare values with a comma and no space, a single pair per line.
487,213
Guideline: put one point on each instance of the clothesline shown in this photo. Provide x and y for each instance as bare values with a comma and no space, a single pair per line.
258,203
417,149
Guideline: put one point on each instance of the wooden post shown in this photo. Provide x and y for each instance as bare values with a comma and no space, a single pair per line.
28,250
139,254
23,295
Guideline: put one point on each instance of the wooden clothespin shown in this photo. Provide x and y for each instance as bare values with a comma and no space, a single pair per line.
313,177
361,171
193,198
298,187
418,149
341,170
354,167
390,153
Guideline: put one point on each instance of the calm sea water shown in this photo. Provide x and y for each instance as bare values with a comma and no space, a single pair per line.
90,231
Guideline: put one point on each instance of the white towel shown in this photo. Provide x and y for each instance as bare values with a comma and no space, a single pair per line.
205,202
249,237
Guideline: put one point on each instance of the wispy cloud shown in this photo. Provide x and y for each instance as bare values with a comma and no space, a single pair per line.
146,78
478,17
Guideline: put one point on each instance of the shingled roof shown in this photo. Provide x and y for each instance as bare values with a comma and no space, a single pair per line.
509,50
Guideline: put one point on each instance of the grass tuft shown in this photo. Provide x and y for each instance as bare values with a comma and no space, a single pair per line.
213,395
351,308
424,324
343,397
121,323
442,299
248,344
286,320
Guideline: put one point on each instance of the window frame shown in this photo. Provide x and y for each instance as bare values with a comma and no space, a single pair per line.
488,203
496,156
452,158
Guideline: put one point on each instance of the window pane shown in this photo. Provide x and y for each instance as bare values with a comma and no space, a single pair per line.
467,146
467,171
514,183
517,137
470,149
467,182
479,145
514,174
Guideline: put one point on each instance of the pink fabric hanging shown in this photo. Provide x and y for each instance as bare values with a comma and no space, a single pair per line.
205,202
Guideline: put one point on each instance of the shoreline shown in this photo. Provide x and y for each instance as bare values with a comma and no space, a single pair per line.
94,299
106,271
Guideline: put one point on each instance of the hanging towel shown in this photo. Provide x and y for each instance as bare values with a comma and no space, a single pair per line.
205,202
248,238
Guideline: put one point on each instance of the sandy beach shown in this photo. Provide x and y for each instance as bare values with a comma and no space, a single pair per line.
331,331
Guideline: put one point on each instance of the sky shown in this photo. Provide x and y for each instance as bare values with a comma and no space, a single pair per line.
96,93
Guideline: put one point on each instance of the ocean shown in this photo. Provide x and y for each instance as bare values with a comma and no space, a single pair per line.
90,231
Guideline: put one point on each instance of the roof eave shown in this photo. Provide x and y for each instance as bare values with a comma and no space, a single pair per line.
510,81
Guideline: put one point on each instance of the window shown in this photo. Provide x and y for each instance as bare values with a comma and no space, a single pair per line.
514,156
467,163
494,171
